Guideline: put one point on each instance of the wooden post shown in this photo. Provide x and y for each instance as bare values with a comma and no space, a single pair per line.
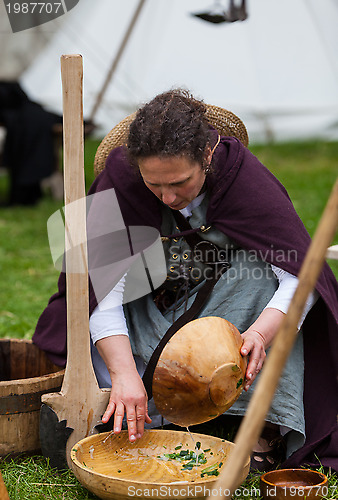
3,489
253,421
81,403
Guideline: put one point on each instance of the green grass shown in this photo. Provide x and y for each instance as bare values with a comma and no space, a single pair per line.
28,275
32,478
308,171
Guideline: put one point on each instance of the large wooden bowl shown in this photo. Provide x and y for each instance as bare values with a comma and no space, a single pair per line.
113,468
200,373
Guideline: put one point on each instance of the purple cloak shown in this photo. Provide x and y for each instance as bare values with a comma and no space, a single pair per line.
252,207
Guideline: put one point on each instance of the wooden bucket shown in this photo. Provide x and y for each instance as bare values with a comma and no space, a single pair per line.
25,374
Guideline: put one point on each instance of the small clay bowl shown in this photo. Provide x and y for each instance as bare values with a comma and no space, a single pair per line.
291,484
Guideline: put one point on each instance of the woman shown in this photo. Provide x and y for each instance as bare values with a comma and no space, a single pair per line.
176,162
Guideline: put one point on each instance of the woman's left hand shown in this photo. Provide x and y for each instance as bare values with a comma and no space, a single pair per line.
254,347
257,338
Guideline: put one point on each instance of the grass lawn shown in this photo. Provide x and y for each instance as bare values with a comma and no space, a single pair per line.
308,171
32,479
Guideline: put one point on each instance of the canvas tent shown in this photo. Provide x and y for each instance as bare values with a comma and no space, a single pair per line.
20,49
277,70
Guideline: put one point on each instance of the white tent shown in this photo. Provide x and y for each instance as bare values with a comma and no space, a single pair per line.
18,50
278,70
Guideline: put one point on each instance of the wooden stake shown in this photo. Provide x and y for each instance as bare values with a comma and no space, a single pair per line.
3,489
80,402
253,421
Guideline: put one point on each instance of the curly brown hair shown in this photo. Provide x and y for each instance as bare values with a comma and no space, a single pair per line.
172,124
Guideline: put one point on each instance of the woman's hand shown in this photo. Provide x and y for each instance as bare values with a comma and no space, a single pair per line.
254,347
257,338
128,395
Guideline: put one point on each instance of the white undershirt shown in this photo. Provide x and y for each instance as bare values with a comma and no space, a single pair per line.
108,317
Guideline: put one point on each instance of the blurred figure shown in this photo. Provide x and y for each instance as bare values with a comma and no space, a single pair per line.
29,145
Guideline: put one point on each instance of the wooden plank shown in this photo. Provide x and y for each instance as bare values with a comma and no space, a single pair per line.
81,403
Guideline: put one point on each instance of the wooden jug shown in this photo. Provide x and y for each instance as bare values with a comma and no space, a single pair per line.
200,372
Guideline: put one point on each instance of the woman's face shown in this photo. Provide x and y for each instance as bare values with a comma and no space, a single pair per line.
176,181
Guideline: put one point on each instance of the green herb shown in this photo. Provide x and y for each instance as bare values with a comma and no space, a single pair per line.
198,445
189,465
178,447
209,469
118,471
208,449
190,458
239,383
212,470
211,473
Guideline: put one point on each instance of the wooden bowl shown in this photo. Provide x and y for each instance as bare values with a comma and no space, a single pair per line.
200,372
288,484
113,468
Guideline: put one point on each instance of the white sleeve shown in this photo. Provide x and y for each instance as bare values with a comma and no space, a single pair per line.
284,293
108,317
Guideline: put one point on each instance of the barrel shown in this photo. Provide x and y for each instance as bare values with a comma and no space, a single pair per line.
25,374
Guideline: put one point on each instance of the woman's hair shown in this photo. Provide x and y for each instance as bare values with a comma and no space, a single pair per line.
172,124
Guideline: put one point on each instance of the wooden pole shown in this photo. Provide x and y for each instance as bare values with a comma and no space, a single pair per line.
3,489
75,217
117,59
81,403
253,421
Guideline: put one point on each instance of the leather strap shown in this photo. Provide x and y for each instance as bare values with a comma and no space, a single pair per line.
183,225
193,239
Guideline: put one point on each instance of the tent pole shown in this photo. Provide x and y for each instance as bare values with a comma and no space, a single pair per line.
117,59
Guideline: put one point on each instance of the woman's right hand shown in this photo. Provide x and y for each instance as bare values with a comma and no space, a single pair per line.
128,396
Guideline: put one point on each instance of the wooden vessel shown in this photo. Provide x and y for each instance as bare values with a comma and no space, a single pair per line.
284,484
113,468
3,489
200,373
25,374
